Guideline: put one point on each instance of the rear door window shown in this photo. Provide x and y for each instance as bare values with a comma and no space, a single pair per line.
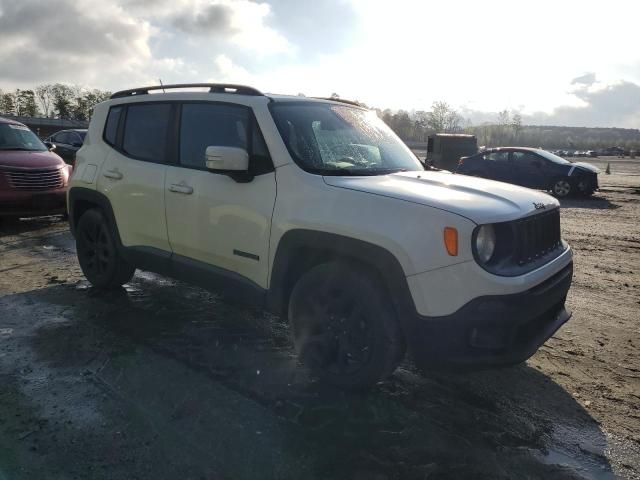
145,131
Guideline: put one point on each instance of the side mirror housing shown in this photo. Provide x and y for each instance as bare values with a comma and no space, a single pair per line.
227,159
50,146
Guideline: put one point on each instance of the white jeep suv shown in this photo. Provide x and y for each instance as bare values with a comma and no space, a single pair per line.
316,210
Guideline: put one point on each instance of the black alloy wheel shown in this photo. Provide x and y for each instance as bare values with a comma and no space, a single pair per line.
343,326
97,253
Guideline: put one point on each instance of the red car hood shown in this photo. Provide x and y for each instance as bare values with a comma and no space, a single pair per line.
29,160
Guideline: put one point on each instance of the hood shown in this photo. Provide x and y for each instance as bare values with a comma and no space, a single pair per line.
587,166
478,199
29,160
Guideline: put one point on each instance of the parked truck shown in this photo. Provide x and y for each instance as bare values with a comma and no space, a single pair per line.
445,149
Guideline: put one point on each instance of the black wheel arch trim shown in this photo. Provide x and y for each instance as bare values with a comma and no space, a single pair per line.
80,195
313,247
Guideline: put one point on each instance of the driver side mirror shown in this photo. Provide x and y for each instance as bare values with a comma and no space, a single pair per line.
50,146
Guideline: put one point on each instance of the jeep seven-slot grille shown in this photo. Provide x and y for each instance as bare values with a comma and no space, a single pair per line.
536,236
35,179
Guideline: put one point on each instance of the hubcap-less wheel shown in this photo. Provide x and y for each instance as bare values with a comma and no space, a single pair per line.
344,326
97,253
561,188
337,333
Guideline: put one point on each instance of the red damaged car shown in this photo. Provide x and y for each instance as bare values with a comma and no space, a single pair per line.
33,180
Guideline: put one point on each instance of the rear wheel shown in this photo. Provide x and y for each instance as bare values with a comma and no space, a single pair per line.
97,253
344,327
561,188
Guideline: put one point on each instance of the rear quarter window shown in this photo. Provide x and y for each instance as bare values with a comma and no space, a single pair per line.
111,127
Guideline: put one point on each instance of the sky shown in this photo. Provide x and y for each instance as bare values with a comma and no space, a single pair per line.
558,62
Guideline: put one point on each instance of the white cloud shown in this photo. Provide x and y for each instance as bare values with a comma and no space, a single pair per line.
228,72
483,56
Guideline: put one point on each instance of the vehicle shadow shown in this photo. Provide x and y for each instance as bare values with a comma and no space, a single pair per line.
507,423
596,202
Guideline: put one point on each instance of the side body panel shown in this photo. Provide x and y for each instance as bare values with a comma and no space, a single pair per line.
413,233
135,190
222,222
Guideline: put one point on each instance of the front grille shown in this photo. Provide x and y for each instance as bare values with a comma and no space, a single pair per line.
35,179
536,236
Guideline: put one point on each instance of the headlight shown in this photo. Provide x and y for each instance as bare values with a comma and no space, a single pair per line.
485,242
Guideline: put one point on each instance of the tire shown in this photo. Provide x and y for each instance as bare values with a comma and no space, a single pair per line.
97,253
344,327
561,188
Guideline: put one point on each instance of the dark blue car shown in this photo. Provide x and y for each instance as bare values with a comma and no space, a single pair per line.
533,168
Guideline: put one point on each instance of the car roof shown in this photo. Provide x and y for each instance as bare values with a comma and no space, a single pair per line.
72,130
499,149
217,91
11,122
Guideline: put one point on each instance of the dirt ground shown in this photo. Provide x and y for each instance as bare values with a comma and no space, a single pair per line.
162,380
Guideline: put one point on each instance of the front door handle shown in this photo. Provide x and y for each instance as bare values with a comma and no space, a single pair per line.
114,174
180,188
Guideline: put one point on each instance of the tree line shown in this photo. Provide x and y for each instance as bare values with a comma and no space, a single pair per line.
506,130
73,102
55,100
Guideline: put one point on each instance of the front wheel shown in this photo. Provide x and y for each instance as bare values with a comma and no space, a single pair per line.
561,188
585,188
344,327
97,253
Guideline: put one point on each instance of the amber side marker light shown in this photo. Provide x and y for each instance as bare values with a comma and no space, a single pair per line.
451,241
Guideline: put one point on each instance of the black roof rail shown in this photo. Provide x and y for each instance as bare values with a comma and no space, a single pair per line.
342,100
213,88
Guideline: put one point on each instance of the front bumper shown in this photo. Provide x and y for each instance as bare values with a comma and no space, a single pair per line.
15,203
492,330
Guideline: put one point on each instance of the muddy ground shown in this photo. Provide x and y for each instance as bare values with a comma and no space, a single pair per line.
166,381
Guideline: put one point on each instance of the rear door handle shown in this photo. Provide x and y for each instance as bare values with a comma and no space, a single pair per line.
179,188
114,174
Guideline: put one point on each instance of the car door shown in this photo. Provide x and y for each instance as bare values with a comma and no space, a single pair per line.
62,142
497,166
132,176
529,169
211,217
75,143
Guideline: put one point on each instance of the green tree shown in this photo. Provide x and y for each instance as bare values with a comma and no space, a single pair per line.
62,100
443,118
26,103
7,103
516,125
45,97
504,121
